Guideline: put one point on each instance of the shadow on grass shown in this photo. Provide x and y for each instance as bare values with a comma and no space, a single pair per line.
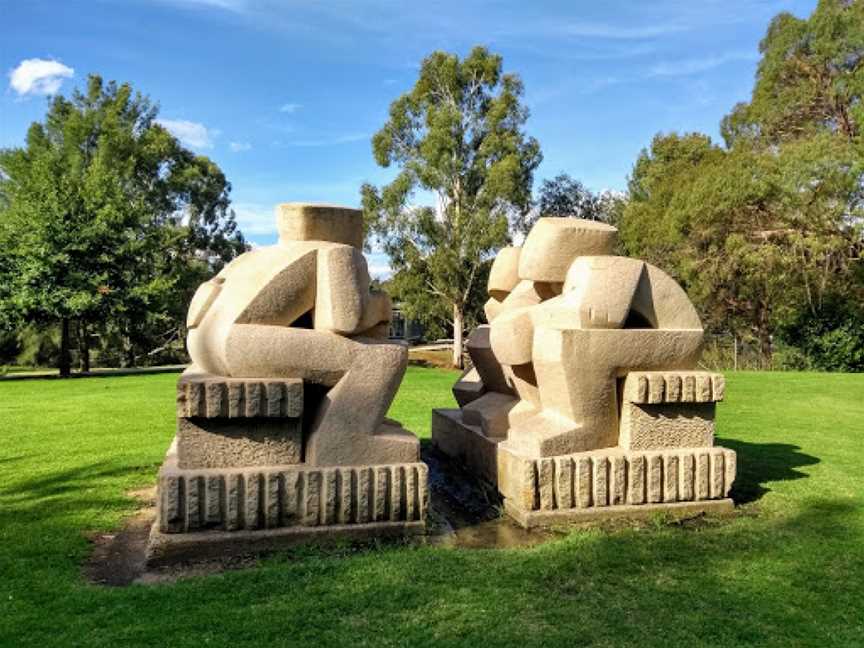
760,463
82,478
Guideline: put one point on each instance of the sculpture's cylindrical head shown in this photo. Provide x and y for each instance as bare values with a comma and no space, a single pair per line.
315,222
553,244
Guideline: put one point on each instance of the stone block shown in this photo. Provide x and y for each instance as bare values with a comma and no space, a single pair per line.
504,274
554,243
662,410
490,413
466,444
613,478
483,358
226,443
469,387
203,395
267,497
311,222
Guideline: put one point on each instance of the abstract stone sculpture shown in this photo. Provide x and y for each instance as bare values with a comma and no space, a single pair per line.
281,431
584,398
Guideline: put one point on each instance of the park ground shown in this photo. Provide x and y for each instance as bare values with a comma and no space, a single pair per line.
786,570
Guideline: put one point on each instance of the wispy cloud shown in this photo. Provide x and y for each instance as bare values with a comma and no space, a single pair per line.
238,147
323,141
39,77
686,67
290,108
255,219
191,133
236,6
620,32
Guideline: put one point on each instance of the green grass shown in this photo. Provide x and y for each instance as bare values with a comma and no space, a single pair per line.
787,571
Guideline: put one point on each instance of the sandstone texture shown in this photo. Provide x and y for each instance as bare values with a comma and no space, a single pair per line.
587,370
281,419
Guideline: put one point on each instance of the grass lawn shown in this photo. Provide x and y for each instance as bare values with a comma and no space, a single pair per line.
788,570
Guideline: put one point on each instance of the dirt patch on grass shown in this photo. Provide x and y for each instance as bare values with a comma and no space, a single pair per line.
463,513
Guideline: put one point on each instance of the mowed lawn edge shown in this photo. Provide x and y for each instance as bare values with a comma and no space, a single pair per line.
785,570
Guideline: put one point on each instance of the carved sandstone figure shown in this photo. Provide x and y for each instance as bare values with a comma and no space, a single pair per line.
303,308
567,319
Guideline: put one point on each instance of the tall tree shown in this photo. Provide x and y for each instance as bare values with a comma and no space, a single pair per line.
104,216
810,78
458,134
768,230
564,196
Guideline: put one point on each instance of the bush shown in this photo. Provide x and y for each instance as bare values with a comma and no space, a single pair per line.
832,339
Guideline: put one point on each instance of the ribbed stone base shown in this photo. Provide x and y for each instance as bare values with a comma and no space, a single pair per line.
306,499
612,480
532,519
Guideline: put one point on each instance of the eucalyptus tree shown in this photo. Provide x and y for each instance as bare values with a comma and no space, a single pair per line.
457,137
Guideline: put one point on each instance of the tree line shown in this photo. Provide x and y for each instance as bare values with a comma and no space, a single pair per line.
764,230
107,223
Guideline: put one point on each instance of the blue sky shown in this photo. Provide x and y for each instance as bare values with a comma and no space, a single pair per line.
285,95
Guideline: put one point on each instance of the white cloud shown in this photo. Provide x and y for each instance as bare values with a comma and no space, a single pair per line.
325,141
615,32
687,67
39,77
290,108
190,133
255,219
237,147
238,6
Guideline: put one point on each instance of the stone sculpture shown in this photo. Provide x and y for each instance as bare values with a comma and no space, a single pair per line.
584,398
281,430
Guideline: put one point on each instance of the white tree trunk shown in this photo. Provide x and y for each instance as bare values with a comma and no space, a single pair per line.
458,322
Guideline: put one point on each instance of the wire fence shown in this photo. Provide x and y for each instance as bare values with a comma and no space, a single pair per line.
727,352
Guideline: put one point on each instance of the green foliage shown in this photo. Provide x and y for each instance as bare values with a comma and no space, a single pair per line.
107,219
566,196
421,305
36,346
764,231
810,78
831,339
457,134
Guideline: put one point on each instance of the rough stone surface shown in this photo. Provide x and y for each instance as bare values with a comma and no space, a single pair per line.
467,444
614,477
172,548
469,387
504,274
222,443
303,310
490,413
293,495
307,222
281,432
487,365
594,358
654,427
554,243
669,409
531,519
201,395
